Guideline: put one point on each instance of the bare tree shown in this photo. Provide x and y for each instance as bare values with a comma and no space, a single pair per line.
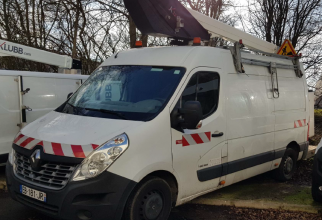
297,20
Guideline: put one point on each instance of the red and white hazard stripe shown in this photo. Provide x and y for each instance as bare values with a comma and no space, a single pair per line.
299,123
193,139
67,150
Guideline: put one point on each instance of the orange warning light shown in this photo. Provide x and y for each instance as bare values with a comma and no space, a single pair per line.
138,44
222,183
197,41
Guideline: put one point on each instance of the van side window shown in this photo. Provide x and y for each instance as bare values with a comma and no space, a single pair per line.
203,87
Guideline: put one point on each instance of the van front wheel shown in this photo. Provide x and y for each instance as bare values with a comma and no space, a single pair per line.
287,167
150,200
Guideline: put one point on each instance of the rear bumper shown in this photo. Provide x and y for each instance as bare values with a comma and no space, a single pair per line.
103,197
304,147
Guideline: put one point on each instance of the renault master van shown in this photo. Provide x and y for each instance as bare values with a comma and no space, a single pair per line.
153,128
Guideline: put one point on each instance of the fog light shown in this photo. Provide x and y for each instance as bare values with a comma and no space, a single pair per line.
320,188
84,215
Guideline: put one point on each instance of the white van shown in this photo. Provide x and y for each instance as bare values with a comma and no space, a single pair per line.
154,128
26,96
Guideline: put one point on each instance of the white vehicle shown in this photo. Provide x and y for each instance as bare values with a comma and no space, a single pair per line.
26,96
154,128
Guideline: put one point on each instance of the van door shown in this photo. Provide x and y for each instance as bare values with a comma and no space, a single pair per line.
250,123
46,94
198,154
291,110
9,114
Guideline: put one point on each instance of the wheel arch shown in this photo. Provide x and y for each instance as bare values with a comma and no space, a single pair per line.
170,179
295,146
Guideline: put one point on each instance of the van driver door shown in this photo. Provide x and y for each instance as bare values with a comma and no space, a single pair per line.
198,154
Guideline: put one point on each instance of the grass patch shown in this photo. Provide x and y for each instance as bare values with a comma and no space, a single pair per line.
302,197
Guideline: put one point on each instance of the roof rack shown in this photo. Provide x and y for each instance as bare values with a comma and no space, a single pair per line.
236,51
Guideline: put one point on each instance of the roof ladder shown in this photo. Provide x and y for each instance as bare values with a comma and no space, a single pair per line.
239,60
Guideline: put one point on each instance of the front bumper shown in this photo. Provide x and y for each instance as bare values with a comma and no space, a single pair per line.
103,197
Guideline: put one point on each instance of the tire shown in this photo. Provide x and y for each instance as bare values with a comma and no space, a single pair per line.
150,200
287,167
316,192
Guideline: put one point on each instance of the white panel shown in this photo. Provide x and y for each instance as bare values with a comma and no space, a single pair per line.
292,96
312,126
250,146
42,74
30,53
284,137
219,29
9,112
290,107
250,111
46,94
245,174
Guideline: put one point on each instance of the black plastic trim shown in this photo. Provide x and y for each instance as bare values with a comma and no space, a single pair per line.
244,163
3,158
279,153
251,161
210,173
104,196
238,165
304,146
23,111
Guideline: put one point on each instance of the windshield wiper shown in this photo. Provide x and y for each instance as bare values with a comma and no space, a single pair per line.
107,111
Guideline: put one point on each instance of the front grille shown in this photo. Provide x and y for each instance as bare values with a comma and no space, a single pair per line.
52,175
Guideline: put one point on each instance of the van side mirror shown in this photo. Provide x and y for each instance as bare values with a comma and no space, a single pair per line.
187,117
69,95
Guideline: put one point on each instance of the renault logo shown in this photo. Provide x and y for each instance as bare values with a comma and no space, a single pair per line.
35,160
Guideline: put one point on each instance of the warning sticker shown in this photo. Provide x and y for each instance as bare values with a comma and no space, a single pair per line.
287,49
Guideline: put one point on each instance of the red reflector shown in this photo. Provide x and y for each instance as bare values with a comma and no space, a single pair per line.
197,40
138,44
308,130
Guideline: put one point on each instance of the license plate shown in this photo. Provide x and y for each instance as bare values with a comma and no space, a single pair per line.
35,194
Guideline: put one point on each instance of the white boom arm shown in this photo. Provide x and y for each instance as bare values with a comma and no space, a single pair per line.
219,29
17,50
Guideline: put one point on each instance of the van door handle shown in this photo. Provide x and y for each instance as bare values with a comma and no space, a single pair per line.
217,135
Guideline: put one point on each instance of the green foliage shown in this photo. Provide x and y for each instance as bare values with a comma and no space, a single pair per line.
315,140
318,114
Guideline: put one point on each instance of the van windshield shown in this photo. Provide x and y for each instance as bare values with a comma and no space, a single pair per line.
125,92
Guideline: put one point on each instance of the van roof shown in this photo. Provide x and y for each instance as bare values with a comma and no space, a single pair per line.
178,56
185,56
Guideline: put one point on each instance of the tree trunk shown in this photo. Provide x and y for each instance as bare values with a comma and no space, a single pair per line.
132,32
144,39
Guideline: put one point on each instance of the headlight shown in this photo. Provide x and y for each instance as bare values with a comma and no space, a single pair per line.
103,157
11,156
